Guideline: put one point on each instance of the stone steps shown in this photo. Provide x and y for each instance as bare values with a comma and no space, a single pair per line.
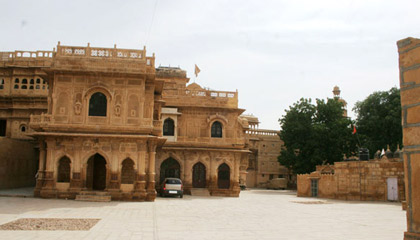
200,192
93,196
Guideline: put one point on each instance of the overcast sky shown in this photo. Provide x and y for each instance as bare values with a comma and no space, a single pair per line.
272,52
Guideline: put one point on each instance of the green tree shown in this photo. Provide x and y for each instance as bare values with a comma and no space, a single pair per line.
314,134
379,120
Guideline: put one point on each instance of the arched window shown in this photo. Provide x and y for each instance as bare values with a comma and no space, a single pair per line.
128,174
63,173
38,80
24,81
31,81
97,105
17,80
216,130
168,127
23,128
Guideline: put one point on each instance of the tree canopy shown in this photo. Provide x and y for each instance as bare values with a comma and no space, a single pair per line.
379,120
315,134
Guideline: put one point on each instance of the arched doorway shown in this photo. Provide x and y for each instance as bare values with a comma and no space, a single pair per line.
96,173
223,176
199,175
169,168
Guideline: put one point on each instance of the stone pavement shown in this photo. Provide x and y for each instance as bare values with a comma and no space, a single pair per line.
256,214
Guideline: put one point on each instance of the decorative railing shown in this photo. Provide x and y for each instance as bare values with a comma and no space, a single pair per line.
24,55
262,132
210,93
41,119
114,53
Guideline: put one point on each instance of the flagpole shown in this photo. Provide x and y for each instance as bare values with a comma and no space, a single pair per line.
358,140
357,135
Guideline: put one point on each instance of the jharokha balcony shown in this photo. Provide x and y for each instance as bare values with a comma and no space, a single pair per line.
39,121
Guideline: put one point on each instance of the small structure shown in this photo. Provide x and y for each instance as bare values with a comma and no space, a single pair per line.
375,180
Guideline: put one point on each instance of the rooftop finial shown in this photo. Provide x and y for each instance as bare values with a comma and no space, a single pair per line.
336,91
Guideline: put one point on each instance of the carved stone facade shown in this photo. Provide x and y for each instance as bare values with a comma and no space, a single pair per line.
106,120
209,141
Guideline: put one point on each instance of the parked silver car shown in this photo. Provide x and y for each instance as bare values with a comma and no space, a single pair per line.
171,187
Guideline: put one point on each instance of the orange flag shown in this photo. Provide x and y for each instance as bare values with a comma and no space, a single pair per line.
197,70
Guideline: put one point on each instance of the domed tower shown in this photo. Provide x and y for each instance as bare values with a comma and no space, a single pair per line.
336,91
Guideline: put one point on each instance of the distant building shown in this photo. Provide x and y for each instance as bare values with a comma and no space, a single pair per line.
265,146
336,91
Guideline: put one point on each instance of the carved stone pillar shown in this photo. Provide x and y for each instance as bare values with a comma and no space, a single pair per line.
76,179
140,184
189,158
235,182
213,172
48,187
242,168
114,172
41,170
151,191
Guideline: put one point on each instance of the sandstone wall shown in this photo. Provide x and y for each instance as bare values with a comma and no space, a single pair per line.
327,186
18,163
356,180
304,185
409,64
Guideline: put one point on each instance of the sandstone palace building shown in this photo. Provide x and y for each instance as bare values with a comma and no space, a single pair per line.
105,119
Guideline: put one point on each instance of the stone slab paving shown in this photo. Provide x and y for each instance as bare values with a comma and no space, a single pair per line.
256,214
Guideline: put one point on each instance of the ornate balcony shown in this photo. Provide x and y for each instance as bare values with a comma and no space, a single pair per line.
39,121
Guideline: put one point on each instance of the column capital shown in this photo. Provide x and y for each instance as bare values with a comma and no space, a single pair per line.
152,144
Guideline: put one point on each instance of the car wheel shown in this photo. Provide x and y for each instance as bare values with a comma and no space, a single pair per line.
181,196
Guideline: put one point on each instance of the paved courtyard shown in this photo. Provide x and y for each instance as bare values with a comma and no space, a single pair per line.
256,214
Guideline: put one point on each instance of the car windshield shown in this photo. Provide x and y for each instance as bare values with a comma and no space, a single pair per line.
173,181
